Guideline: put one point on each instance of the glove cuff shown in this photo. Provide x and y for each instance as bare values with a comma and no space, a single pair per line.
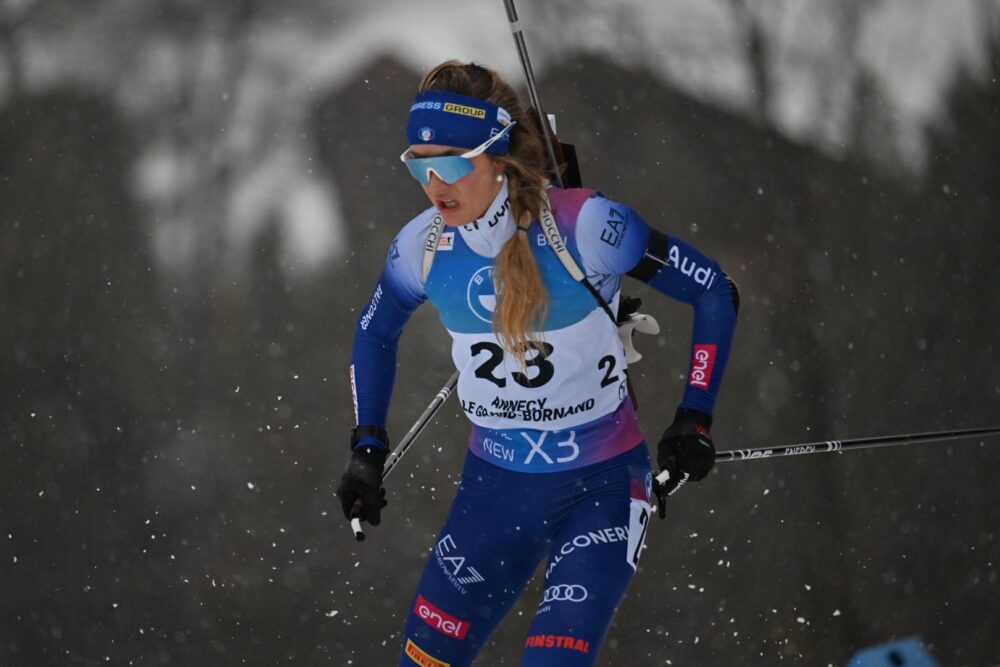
697,416
369,435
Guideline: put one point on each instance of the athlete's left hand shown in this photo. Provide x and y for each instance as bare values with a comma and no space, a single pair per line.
686,452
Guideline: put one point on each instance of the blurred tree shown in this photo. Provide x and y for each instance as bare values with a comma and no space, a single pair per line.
757,56
13,16
80,350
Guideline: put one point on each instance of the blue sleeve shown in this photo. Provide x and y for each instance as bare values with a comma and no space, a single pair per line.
376,339
693,278
613,239
610,237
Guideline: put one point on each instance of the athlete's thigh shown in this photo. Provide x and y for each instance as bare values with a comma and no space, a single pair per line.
482,560
592,561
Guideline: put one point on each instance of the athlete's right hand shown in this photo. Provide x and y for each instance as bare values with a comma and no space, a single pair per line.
360,491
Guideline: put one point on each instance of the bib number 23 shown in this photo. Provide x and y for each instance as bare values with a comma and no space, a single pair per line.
539,365
539,369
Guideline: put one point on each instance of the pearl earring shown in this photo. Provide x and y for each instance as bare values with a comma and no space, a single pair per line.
499,178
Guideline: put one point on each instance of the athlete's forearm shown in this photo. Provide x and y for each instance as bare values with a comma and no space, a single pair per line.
711,341
682,272
373,374
373,358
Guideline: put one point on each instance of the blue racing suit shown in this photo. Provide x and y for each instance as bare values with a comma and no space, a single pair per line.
557,465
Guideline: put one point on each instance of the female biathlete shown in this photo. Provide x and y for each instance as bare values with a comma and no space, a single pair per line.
557,466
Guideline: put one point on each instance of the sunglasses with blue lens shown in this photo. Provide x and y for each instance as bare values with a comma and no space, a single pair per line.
449,168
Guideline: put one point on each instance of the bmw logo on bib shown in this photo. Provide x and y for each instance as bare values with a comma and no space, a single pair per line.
482,294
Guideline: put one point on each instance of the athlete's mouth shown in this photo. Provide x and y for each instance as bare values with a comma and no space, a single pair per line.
447,203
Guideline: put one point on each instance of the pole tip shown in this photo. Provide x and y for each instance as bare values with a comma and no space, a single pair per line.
359,534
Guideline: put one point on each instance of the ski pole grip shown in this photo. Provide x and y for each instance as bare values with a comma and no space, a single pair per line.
673,468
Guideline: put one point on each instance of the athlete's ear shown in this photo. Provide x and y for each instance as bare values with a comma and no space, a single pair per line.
498,169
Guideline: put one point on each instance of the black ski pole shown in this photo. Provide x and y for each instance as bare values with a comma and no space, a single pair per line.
418,426
855,443
843,445
407,440
529,75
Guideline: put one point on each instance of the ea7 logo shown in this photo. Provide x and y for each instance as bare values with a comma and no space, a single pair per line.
564,593
454,566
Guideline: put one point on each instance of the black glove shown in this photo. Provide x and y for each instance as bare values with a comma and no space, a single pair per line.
686,452
362,479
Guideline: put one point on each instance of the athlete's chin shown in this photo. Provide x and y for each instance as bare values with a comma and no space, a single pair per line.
453,217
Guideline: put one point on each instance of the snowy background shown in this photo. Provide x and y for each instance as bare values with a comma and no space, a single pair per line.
196,199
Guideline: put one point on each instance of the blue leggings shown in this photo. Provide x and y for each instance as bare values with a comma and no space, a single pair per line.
589,522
